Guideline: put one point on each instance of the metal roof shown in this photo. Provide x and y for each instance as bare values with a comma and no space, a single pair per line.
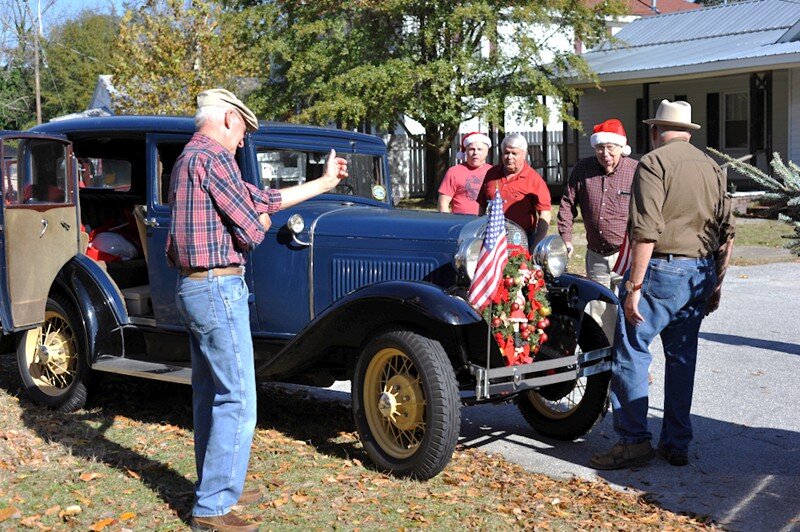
740,36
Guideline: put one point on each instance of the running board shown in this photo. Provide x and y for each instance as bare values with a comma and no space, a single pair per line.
147,370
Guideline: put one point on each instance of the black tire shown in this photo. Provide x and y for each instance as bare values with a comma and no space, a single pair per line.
52,361
566,411
406,404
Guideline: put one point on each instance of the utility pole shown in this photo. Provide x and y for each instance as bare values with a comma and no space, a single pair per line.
36,78
36,62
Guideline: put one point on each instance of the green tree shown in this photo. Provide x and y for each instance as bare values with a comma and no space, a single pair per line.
76,53
16,96
783,190
168,52
440,62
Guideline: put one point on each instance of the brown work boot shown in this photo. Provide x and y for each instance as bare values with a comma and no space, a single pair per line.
230,522
252,496
624,455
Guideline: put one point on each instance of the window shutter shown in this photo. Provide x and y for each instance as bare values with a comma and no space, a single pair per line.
712,120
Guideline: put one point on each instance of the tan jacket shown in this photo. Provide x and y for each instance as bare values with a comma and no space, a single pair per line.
679,201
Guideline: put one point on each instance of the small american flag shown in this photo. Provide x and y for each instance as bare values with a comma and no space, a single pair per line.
493,257
624,257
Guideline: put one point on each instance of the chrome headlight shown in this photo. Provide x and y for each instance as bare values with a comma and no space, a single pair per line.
296,224
466,259
551,254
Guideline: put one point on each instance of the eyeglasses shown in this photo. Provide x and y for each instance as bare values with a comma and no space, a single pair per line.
610,148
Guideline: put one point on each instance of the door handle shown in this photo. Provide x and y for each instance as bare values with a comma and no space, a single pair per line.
151,222
44,228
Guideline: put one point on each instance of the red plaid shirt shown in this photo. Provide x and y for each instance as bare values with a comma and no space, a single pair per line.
604,201
214,212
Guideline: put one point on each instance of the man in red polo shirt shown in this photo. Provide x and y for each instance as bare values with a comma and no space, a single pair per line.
526,198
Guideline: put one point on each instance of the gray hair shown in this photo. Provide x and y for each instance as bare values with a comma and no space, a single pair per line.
209,113
514,140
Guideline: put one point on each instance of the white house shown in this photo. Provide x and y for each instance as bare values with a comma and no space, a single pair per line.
737,64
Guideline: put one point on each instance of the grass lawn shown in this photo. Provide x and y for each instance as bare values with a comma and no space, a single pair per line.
125,463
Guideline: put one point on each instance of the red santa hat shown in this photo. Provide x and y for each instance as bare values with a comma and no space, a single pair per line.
469,138
611,132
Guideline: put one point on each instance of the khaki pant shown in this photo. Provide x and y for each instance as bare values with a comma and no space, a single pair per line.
598,268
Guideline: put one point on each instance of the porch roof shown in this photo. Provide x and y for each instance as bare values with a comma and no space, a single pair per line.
725,39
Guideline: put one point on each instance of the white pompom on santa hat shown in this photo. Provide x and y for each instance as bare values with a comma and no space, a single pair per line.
469,138
611,132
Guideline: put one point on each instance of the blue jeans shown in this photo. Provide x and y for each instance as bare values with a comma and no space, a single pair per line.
673,303
216,314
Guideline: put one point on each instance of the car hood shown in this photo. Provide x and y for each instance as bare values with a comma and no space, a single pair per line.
390,225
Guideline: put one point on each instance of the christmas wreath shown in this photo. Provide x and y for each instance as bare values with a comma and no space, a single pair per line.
519,309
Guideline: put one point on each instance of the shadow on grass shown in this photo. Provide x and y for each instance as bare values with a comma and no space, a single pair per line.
289,410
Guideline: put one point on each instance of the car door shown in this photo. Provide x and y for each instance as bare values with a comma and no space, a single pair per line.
39,221
162,151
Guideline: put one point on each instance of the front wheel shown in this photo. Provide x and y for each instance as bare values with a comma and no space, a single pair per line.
50,357
568,410
406,404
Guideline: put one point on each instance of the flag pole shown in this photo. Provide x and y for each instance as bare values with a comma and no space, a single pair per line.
488,351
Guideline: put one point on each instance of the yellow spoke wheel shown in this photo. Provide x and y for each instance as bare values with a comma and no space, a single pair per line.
566,411
50,361
394,402
406,404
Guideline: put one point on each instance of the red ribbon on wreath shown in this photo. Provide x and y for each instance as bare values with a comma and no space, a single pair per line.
519,309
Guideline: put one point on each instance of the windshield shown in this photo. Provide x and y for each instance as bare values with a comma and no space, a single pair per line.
282,168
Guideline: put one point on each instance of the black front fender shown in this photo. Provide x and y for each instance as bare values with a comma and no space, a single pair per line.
100,308
354,318
571,293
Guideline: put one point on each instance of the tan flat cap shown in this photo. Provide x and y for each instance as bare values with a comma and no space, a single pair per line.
225,98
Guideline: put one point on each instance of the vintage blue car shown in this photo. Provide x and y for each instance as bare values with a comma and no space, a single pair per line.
344,287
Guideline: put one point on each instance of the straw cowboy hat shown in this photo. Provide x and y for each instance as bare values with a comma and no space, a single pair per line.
678,114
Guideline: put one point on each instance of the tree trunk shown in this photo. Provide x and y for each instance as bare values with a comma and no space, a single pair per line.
436,162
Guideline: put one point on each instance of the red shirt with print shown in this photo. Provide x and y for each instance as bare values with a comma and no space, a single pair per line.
524,194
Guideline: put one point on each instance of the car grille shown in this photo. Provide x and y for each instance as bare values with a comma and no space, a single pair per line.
352,273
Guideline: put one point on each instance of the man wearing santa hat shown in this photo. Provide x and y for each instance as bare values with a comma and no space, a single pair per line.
601,187
461,183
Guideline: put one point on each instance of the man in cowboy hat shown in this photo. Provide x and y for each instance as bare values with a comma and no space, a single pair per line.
601,187
681,232
458,192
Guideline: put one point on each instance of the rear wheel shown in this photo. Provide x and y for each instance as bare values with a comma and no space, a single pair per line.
51,360
406,404
568,410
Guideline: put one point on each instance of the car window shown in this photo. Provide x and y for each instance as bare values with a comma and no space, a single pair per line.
11,184
168,153
286,168
105,173
39,173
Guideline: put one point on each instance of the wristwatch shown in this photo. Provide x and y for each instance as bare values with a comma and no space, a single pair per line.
630,287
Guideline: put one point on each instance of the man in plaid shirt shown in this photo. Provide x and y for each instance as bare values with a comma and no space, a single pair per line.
216,219
601,187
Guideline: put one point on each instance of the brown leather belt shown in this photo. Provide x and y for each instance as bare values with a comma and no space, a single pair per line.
201,273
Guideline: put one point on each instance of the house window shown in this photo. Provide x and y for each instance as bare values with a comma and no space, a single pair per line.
736,112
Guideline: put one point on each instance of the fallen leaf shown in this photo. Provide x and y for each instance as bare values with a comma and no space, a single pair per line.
8,512
133,474
299,499
70,511
277,503
100,525
52,510
126,516
89,476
